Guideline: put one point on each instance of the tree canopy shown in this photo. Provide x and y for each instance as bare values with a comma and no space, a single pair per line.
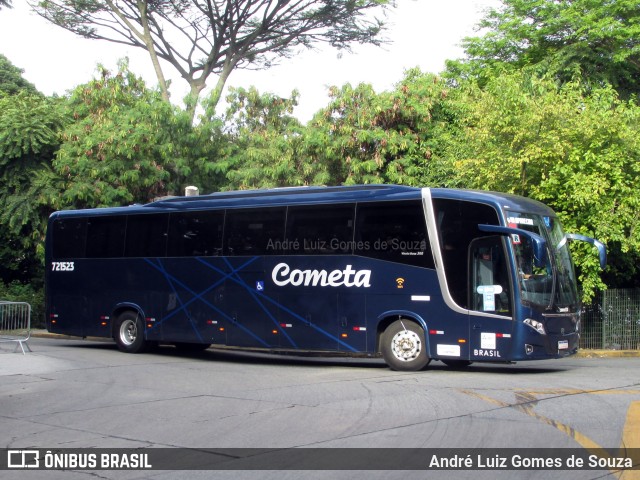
599,41
201,38
29,126
119,148
11,79
573,148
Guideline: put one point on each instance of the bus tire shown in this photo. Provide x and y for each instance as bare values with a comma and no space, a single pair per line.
129,333
404,347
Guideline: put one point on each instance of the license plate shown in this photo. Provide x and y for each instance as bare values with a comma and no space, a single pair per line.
563,344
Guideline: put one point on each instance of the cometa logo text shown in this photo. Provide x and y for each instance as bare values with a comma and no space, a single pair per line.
283,275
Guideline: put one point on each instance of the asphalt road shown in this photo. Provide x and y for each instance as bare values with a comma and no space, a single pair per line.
79,394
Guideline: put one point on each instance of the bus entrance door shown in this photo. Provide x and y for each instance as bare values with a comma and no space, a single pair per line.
490,304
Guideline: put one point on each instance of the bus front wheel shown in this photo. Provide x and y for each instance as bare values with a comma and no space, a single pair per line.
129,333
404,347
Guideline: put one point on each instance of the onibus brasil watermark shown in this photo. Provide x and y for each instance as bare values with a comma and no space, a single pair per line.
320,459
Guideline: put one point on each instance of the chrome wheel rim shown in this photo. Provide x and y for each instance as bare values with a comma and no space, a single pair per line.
128,332
406,345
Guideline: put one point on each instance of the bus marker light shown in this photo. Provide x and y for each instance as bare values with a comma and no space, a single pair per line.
420,298
286,325
462,340
436,332
275,332
103,324
343,335
359,329
212,322
221,329
104,317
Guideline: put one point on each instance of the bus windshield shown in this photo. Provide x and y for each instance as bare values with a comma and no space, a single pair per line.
553,285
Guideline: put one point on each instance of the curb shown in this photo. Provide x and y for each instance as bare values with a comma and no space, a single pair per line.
582,353
45,334
587,353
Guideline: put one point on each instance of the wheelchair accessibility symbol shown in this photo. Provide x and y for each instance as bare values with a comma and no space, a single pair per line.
260,286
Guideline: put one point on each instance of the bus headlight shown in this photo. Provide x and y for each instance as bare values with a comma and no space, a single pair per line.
536,325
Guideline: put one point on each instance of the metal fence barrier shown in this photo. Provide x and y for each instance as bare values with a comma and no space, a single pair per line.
612,321
15,323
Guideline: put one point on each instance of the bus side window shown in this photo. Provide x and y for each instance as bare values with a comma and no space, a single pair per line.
393,231
254,231
105,236
194,234
69,238
457,222
146,235
319,230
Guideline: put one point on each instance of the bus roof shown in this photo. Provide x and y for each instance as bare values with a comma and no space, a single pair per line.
292,195
502,201
319,195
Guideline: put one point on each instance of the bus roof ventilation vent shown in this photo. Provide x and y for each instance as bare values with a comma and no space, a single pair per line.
191,191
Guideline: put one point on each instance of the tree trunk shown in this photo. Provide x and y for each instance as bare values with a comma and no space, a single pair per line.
148,41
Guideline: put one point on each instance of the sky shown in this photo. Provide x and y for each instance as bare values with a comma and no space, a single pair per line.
423,33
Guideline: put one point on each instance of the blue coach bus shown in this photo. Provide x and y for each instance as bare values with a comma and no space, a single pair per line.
413,274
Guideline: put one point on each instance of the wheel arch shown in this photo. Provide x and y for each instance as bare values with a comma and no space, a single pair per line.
387,318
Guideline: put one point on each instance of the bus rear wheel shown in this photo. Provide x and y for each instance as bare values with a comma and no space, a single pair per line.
404,347
129,333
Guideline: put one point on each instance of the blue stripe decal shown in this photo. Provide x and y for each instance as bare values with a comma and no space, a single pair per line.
290,312
260,298
171,280
251,292
312,325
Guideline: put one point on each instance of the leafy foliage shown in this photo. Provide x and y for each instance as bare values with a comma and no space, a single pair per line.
32,293
391,137
11,79
118,150
200,38
265,146
29,125
577,151
598,40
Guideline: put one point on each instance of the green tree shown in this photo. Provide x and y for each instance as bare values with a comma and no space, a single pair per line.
11,79
119,148
29,129
202,38
576,150
265,142
599,40
389,137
